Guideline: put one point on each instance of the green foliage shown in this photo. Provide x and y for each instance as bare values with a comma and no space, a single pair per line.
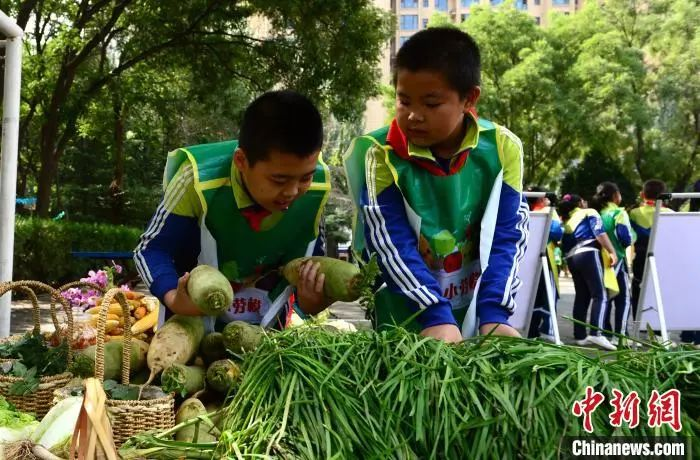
586,175
619,78
107,81
43,247
34,359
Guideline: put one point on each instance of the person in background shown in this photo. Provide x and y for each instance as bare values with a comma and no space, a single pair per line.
541,321
617,225
583,238
642,219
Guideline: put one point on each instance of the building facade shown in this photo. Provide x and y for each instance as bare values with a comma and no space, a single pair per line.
414,15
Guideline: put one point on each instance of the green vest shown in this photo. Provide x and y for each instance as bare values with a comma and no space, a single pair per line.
445,213
242,254
609,215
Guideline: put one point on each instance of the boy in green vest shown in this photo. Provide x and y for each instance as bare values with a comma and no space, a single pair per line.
246,207
439,197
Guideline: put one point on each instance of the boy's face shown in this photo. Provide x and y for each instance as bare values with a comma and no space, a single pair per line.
276,182
430,112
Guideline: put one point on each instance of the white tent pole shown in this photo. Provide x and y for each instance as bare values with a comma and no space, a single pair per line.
8,160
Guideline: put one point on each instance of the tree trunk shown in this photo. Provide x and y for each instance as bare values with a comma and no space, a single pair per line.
46,172
116,188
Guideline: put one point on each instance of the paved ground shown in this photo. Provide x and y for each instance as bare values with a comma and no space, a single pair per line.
22,313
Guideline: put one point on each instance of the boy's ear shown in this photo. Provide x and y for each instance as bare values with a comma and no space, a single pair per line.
240,160
472,98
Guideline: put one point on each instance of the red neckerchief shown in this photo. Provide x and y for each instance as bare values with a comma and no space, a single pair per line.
255,215
398,142
537,207
650,202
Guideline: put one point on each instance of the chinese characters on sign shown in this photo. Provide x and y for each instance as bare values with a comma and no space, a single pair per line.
661,409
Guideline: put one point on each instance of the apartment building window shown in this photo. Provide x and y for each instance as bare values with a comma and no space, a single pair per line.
560,2
426,3
537,2
521,4
537,20
425,23
402,40
496,2
409,21
441,5
468,3
409,3
465,17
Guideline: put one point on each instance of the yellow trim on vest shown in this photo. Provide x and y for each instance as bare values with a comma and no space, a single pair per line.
197,183
215,183
326,186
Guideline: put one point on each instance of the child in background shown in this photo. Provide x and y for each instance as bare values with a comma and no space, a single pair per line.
583,238
642,219
617,225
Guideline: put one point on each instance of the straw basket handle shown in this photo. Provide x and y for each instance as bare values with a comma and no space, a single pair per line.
30,287
109,297
36,312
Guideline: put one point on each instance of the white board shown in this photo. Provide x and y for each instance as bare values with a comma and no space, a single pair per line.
677,253
530,270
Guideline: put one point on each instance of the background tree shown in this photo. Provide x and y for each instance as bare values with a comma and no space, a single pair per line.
80,53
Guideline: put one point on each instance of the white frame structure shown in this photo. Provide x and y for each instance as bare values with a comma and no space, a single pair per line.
543,268
8,166
651,273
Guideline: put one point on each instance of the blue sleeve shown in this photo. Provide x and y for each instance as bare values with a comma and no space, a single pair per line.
556,231
624,236
170,242
499,283
643,233
389,234
596,225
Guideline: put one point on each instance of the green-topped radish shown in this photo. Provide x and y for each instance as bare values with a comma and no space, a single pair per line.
210,290
343,280
198,432
241,337
212,348
183,380
222,375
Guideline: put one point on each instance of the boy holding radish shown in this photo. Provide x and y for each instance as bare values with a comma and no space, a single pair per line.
246,207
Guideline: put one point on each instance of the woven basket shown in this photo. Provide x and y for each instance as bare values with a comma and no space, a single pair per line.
130,417
40,401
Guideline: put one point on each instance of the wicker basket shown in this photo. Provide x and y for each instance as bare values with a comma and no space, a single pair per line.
40,401
130,417
36,317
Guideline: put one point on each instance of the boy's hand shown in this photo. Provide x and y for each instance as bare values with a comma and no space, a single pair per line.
613,259
499,329
179,301
447,332
310,288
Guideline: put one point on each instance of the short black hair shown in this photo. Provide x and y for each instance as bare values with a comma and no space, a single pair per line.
653,188
446,50
280,120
